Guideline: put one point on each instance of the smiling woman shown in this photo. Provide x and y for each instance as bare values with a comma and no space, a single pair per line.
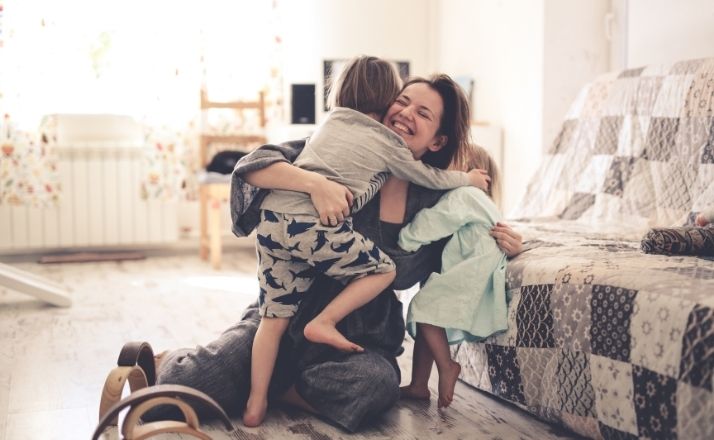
315,379
415,115
421,109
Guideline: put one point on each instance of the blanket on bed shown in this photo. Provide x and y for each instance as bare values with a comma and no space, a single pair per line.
603,338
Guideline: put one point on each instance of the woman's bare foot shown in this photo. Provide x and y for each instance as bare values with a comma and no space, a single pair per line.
447,383
324,332
415,392
255,411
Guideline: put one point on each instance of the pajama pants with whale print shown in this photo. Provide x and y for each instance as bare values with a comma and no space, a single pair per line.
293,249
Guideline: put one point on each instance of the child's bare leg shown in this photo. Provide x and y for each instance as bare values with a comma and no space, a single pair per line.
449,369
265,351
355,295
422,361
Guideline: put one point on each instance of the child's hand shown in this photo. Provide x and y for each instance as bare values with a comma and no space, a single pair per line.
479,178
510,241
332,202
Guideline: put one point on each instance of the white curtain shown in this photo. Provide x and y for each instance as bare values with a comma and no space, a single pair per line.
143,58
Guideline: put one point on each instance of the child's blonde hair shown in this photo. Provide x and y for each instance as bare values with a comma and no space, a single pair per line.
366,84
478,157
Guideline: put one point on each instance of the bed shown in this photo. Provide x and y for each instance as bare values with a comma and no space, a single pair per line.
604,339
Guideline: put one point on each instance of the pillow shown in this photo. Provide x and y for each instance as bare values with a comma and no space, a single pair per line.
224,161
688,240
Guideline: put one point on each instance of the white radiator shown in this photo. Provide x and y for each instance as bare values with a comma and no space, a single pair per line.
101,167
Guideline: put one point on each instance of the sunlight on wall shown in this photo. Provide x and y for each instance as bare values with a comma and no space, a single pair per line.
145,59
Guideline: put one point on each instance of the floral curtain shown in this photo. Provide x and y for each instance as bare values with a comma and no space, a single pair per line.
148,60
28,168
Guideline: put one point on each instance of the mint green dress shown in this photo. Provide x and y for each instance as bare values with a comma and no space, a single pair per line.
468,297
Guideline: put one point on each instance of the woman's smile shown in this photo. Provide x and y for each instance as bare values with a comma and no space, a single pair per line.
415,116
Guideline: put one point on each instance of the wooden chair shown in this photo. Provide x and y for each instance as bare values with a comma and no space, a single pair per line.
213,193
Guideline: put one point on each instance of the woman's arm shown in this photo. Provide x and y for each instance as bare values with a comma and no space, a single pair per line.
331,200
510,241
245,198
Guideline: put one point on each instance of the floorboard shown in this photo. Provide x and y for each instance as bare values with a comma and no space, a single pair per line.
53,361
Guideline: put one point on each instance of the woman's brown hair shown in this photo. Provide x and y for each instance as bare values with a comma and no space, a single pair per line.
454,123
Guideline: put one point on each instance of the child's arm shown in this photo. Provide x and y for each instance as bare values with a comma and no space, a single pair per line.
269,167
455,209
245,198
403,165
330,199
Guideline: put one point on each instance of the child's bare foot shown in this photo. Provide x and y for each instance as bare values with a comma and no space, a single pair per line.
701,220
255,411
325,333
447,383
415,392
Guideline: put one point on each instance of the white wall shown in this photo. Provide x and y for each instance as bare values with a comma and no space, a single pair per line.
576,50
500,44
664,31
529,59
315,30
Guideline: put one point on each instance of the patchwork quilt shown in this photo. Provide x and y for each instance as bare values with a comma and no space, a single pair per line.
603,338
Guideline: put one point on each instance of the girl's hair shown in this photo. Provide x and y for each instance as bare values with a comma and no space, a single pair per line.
478,157
366,84
454,122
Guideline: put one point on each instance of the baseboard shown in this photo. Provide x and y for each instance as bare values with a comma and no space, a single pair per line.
184,246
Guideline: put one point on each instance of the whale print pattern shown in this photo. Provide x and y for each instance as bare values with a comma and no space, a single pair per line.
294,249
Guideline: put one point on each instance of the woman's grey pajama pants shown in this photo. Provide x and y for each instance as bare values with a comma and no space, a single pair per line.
345,390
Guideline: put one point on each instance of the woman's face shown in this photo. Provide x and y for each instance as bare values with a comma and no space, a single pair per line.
416,116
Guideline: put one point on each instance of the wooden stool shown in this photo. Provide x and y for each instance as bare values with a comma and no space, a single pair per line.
213,194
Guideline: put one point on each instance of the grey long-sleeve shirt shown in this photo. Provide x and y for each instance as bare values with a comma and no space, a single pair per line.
358,152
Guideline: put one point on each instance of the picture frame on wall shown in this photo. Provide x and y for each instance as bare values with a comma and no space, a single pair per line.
332,68
467,84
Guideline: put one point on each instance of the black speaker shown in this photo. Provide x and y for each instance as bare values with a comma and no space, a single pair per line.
303,104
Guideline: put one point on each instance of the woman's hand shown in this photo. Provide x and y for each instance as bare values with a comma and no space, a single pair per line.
510,241
332,201
479,178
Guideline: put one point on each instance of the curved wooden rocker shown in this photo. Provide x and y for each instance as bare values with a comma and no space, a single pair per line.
148,398
135,365
139,353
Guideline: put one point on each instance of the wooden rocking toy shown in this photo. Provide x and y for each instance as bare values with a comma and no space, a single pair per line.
148,398
136,365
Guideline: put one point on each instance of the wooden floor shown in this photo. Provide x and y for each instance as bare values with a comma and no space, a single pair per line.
53,362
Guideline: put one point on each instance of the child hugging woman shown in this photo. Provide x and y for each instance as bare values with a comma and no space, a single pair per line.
467,300
351,147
